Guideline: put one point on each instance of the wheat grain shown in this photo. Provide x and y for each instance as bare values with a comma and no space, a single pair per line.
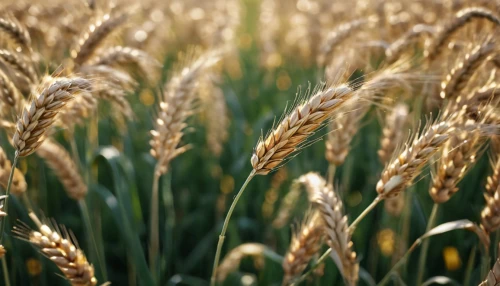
60,247
493,278
464,16
66,170
306,242
9,94
338,237
40,113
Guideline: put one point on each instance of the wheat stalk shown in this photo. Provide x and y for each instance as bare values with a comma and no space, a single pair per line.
19,185
40,113
306,242
336,230
464,16
60,247
66,170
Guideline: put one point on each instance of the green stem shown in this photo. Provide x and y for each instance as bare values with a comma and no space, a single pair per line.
170,222
425,245
154,237
222,235
7,192
5,272
470,265
88,225
350,229
331,173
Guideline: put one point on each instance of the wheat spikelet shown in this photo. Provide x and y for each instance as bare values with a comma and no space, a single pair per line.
9,94
462,17
66,170
403,169
40,113
338,237
16,32
61,248
312,182
20,65
493,278
398,47
232,260
306,242
342,130
176,107
19,185
493,181
485,93
459,77
91,40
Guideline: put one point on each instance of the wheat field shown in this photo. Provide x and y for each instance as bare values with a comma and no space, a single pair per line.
249,142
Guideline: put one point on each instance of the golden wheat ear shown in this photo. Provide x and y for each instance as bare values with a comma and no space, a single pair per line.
60,247
17,32
232,260
20,64
493,277
463,17
306,242
40,113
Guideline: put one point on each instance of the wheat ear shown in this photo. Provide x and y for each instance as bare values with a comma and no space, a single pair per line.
403,169
311,182
457,157
339,34
60,246
16,32
342,129
493,278
66,170
177,105
9,94
94,37
459,77
19,185
20,65
306,242
336,230
462,17
398,47
232,260
40,113
393,134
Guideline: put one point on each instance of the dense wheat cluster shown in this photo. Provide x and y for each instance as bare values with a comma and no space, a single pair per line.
134,131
